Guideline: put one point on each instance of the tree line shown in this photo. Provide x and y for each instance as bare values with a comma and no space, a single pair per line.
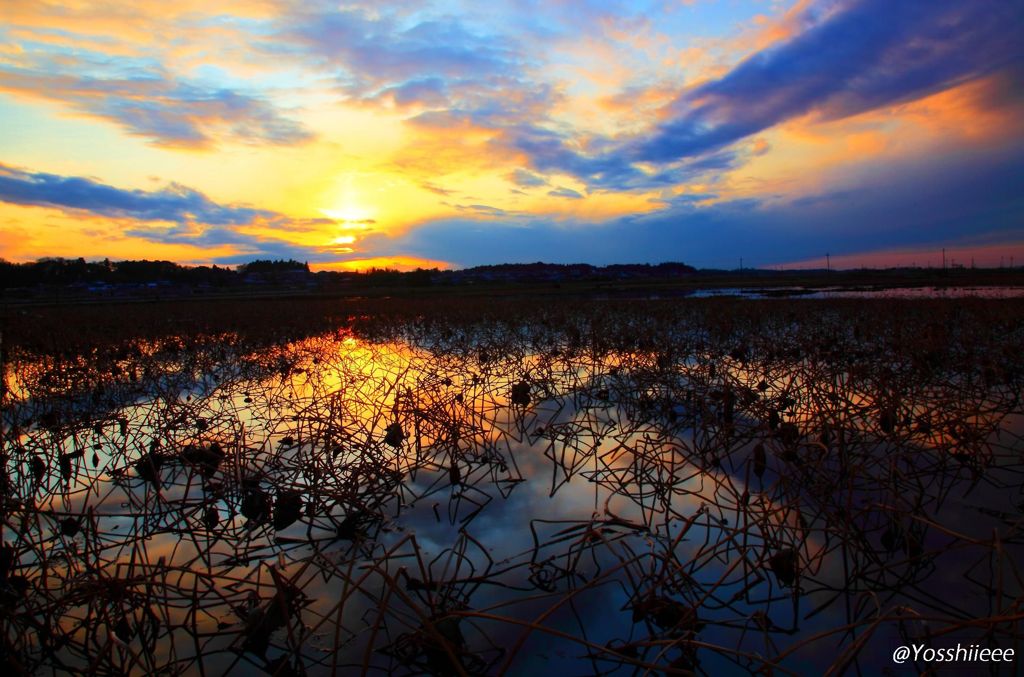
67,272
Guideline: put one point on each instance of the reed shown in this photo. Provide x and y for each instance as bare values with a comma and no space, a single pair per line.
447,486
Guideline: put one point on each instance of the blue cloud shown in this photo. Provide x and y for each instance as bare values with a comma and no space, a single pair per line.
431,91
175,203
526,179
865,55
551,152
428,60
145,100
912,205
195,219
483,210
852,56
565,192
608,167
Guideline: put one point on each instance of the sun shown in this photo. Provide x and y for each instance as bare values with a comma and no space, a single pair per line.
347,205
351,214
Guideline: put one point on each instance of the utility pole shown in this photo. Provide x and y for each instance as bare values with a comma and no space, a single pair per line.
828,263
943,259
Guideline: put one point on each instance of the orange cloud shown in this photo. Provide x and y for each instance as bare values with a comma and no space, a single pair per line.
768,31
30,233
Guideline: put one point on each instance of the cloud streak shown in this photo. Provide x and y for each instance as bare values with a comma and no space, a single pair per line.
911,208
175,214
145,100
433,61
852,57
175,203
865,55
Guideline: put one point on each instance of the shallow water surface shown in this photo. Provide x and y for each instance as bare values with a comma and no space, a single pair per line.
659,492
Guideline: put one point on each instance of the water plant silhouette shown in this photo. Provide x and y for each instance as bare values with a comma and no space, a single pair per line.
448,487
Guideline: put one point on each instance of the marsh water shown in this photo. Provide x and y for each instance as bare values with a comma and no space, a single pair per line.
589,489
867,292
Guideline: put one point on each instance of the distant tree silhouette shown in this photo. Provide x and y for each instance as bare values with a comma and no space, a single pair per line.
61,272
267,266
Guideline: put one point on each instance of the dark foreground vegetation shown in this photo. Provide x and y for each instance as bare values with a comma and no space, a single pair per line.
454,486
78,280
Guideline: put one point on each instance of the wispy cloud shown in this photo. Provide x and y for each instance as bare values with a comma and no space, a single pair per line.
146,100
850,58
175,214
175,203
526,179
437,61
566,192
911,207
863,55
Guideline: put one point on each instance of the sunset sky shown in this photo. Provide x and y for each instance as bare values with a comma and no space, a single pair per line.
458,133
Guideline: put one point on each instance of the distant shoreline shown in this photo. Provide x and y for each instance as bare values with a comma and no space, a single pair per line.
763,283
